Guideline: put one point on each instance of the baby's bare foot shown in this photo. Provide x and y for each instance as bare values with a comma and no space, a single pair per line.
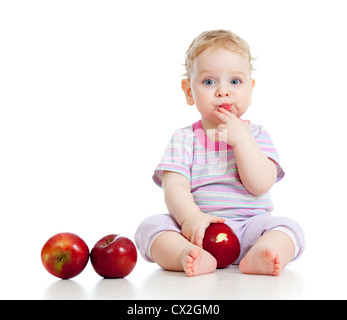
196,261
261,260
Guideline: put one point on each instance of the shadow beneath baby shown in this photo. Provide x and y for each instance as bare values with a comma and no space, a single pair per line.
223,284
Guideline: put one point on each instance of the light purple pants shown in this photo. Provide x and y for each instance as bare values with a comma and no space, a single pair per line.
248,230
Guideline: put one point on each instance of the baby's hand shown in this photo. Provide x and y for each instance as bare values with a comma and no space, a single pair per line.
233,130
193,229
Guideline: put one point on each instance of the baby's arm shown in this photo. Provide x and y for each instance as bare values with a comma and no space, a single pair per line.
180,203
257,172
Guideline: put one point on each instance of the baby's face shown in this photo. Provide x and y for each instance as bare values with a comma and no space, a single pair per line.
219,78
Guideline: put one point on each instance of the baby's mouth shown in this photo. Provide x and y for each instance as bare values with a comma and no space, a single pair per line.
226,106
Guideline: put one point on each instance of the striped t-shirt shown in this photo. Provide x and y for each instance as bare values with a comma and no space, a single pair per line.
212,171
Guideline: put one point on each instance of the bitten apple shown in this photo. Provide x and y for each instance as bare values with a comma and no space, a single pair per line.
114,256
221,241
65,255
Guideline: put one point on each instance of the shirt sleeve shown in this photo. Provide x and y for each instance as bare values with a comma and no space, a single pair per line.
177,157
267,147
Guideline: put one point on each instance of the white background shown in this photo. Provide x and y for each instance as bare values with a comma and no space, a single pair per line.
90,95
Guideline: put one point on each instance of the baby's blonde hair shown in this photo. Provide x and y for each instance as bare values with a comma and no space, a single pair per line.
215,38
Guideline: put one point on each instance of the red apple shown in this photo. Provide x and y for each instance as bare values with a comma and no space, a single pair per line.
221,241
114,256
65,255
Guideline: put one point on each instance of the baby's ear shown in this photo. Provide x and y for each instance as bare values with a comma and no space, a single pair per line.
252,87
252,84
185,85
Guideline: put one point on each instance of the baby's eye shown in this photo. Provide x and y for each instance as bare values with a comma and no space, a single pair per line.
209,82
235,81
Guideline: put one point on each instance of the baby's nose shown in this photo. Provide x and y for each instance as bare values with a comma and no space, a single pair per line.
223,92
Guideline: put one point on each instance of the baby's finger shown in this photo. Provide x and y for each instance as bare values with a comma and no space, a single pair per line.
221,116
227,113
199,236
217,220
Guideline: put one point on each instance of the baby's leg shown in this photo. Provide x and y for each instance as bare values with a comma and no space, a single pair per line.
269,255
171,251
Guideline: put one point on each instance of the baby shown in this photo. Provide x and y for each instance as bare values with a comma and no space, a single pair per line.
219,170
